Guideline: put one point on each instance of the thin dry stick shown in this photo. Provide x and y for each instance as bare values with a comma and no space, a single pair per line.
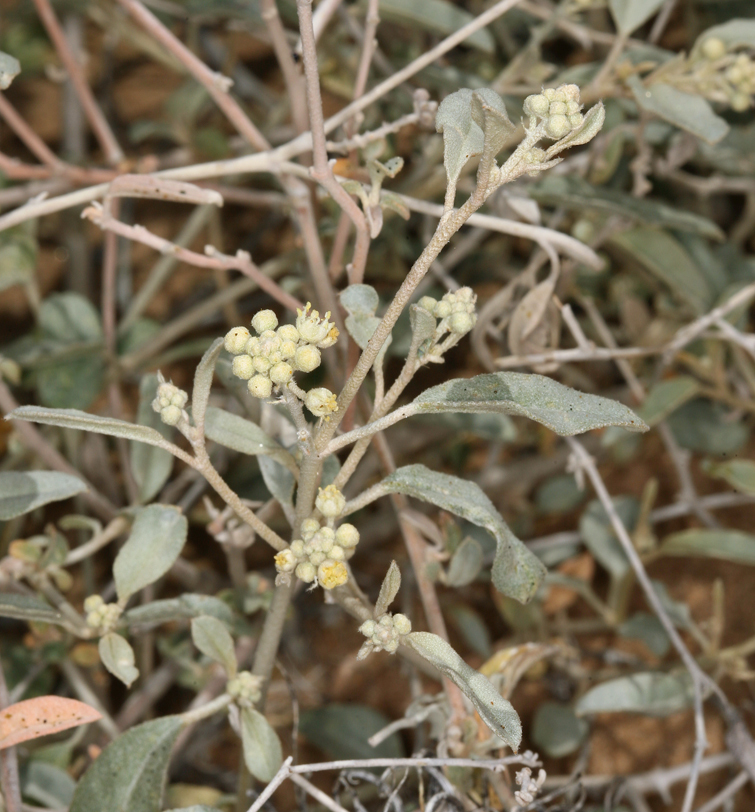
729,791
32,141
98,122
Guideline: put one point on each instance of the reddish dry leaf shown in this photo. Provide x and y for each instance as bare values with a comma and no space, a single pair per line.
40,717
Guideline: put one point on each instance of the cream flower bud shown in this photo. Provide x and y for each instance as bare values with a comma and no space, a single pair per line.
288,349
307,358
260,387
252,346
285,561
368,628
321,402
336,552
235,340
297,548
330,339
306,572
330,502
572,108
261,364
264,320
442,309
317,558
347,536
713,48
331,574
402,624
570,92
740,102
557,108
309,527
311,327
243,367
391,645
461,323
537,105
428,303
577,120
558,126
287,332
281,373
93,602
171,415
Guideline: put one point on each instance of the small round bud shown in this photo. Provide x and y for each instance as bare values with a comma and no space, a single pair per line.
577,120
252,346
550,93
390,645
306,572
740,102
309,527
330,502
260,387
347,536
461,323
557,108
537,105
321,402
428,303
287,332
243,367
331,574
281,373
402,624
264,320
288,349
171,415
93,602
316,558
368,628
261,364
235,340
326,534
572,108
326,545
442,309
337,553
558,126
285,561
583,230
570,92
307,358
713,48
297,548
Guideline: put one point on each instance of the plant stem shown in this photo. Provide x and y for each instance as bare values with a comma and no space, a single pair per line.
269,642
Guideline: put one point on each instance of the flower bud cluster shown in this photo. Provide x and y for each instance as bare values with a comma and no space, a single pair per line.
559,108
456,310
100,615
272,356
741,77
321,402
383,634
330,502
318,555
245,688
169,402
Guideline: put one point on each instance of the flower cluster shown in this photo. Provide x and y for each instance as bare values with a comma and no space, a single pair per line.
559,108
529,786
100,615
245,688
455,310
383,634
318,555
169,402
272,356
741,77
321,402
724,76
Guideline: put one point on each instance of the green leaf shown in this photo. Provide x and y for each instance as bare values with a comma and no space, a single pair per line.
360,302
438,16
496,427
76,419
577,194
740,474
157,538
18,253
186,607
130,772
647,628
648,693
388,589
47,784
244,436
664,257
594,119
10,67
203,375
70,382
489,113
666,397
262,748
687,111
597,533
211,637
278,480
701,425
516,571
563,410
462,137
21,492
629,15
465,564
69,318
151,465
727,545
342,731
27,607
423,324
556,730
737,33
118,657
497,713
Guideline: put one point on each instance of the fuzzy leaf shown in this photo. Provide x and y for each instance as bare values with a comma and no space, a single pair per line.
42,716
740,474
10,67
648,693
591,126
21,492
666,397
186,607
489,113
203,375
497,713
27,607
727,545
118,657
629,15
465,564
212,638
151,466
157,538
563,410
423,324
516,571
388,589
244,436
130,772
462,136
262,748
556,730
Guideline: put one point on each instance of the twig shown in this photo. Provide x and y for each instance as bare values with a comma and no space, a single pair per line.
731,789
